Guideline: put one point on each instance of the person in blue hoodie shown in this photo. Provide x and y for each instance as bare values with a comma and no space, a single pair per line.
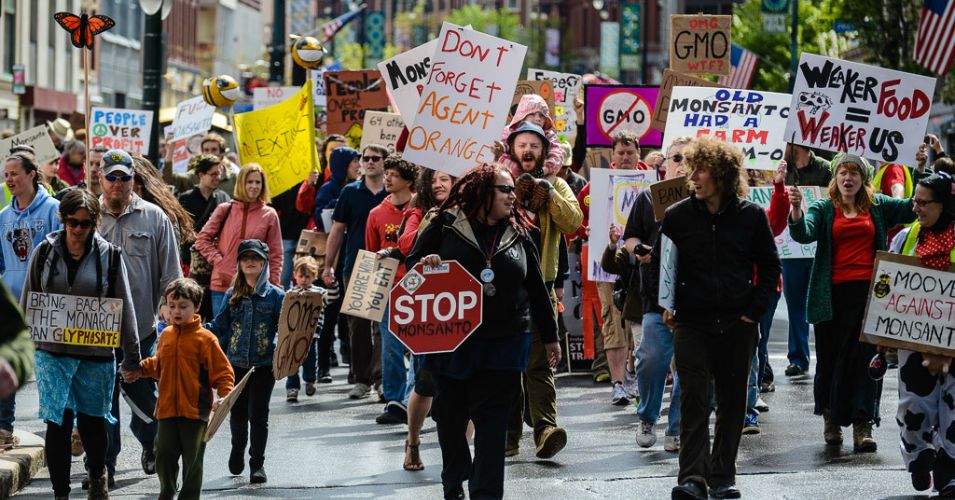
24,223
246,329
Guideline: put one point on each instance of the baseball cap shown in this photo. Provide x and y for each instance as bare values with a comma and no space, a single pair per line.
256,247
117,160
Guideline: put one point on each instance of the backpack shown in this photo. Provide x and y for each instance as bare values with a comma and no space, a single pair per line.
43,253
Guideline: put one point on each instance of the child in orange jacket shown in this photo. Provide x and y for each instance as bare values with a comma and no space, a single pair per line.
188,363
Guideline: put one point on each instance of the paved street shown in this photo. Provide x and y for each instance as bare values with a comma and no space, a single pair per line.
330,447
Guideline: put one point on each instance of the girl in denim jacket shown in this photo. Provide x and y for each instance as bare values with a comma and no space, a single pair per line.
246,329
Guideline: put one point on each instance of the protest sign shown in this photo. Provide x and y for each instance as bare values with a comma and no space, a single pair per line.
614,108
348,95
225,405
405,75
464,103
193,116
435,309
666,193
855,108
281,138
673,79
37,138
126,129
298,323
369,286
543,88
263,97
590,299
318,79
573,315
910,306
612,195
74,320
311,243
566,88
700,44
785,245
751,120
668,266
382,129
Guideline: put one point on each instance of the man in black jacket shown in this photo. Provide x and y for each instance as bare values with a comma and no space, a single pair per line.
726,268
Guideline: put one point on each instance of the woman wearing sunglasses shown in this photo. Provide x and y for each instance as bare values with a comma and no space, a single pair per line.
75,380
479,226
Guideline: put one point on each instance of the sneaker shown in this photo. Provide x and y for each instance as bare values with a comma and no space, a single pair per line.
148,461
767,387
386,418
291,395
258,476
646,437
398,411
794,371
359,391
551,441
601,377
761,405
671,443
309,388
630,384
750,425
618,396
324,378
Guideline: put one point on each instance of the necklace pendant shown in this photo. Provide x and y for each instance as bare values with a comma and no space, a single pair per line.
489,290
487,275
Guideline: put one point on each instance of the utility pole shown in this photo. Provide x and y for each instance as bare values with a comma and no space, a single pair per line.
794,49
153,57
277,54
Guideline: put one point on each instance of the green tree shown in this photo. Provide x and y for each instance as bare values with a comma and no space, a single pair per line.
503,22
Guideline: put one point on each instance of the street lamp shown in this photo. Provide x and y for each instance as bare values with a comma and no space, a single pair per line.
153,56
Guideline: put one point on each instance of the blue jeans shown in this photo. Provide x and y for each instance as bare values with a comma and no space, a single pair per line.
8,409
218,300
288,253
762,349
309,368
143,394
752,392
796,289
653,361
397,380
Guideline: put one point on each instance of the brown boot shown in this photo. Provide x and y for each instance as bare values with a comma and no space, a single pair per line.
862,441
832,432
99,489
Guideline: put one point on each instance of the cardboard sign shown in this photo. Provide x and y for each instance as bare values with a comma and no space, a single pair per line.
673,79
465,100
126,129
668,268
700,44
910,306
785,245
225,405
369,286
612,195
753,121
281,138
405,75
614,108
566,87
263,97
298,323
855,108
382,129
74,320
37,138
193,116
311,243
542,88
663,194
348,95
435,309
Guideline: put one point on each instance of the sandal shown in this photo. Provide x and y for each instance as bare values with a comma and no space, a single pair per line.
412,458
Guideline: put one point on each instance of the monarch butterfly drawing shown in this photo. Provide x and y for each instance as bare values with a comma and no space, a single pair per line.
83,28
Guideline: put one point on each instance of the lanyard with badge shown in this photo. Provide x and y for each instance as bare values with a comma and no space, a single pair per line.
487,275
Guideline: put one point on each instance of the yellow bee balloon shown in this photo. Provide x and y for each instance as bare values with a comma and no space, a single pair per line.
307,52
220,91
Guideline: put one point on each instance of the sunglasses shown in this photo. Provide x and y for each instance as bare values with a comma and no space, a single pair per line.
369,159
122,178
504,188
678,158
79,223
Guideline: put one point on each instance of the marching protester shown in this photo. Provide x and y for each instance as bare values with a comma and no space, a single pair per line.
247,216
848,225
151,254
727,267
188,364
350,218
305,273
149,186
24,224
480,226
212,144
71,169
246,326
291,223
77,381
49,178
60,132
548,202
532,108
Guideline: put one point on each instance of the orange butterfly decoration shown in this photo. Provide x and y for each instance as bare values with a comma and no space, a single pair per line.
83,28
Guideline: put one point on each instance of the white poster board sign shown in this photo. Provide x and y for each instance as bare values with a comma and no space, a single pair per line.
263,97
37,138
847,107
668,268
612,195
193,116
74,320
405,75
382,129
785,245
318,79
126,129
566,87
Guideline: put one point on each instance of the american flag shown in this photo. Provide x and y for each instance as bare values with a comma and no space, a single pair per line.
935,40
742,68
332,27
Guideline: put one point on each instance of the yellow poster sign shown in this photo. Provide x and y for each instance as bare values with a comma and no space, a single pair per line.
281,138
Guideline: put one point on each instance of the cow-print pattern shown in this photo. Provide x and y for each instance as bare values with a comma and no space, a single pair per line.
926,417
949,401
909,447
913,421
915,377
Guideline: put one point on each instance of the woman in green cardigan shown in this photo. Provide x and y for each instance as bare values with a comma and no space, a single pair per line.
848,228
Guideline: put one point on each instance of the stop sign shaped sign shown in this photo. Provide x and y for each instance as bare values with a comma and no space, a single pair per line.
435,309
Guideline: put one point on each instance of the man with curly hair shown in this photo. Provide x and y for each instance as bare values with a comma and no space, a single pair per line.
726,269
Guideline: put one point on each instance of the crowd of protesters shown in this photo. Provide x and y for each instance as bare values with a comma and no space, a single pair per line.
202,261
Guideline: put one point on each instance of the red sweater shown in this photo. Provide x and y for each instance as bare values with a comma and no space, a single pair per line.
381,230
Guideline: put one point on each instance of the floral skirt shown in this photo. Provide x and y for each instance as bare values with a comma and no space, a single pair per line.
81,385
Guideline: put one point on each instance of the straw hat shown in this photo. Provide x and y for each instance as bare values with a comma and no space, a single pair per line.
61,128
